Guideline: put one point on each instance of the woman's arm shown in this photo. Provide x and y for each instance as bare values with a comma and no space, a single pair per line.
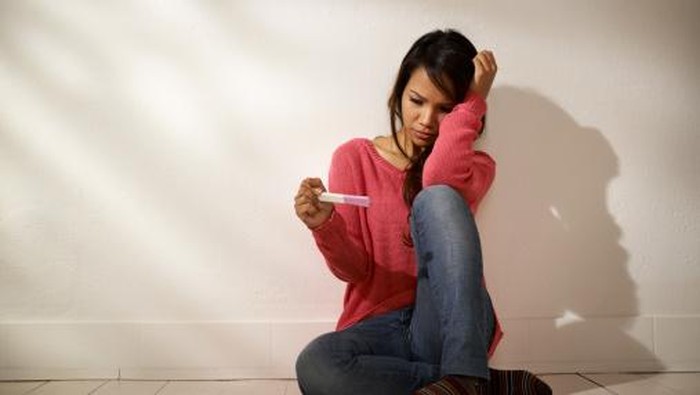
454,161
340,239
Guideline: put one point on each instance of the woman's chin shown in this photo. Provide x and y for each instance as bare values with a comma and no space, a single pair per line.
421,143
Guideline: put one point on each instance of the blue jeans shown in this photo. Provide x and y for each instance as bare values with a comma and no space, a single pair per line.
447,331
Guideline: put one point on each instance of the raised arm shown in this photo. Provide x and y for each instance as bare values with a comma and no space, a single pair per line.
454,161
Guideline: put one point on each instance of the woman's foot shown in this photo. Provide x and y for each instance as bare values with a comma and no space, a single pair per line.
455,385
517,382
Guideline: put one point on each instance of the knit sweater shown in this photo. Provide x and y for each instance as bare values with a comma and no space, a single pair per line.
364,246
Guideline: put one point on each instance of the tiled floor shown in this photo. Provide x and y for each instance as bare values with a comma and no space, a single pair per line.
588,384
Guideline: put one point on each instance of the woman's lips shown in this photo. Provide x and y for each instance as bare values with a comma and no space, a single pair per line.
423,135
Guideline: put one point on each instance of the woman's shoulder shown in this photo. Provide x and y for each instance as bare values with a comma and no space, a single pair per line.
354,144
354,147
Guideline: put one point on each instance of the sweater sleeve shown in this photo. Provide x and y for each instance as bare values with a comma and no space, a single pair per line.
454,161
340,238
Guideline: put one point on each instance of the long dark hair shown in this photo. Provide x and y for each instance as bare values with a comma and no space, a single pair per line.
447,57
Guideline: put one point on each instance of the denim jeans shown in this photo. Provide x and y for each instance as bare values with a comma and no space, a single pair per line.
446,332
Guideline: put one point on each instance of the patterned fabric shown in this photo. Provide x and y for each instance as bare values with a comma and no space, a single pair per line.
516,382
503,382
453,385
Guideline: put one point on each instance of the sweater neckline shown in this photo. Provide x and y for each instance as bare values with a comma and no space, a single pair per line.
380,159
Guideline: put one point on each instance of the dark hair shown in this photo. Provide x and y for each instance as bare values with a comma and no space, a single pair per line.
447,57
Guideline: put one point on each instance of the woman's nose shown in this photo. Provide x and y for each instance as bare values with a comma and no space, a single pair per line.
428,118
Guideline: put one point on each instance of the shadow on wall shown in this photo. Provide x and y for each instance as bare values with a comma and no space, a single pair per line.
552,248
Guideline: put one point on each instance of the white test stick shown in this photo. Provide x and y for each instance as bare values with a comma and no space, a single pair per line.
355,200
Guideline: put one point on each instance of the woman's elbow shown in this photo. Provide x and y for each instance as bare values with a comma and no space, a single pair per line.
352,275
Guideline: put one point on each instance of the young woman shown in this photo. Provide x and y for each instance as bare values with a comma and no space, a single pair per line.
417,317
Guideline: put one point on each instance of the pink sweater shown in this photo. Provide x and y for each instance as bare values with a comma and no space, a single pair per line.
363,246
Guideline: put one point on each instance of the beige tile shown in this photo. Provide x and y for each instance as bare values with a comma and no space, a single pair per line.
516,345
19,387
577,344
292,388
601,344
678,339
288,339
204,345
116,387
56,373
563,384
195,387
631,384
593,340
260,387
69,347
686,383
68,387
180,374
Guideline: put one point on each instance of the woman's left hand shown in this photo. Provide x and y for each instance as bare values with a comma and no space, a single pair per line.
484,73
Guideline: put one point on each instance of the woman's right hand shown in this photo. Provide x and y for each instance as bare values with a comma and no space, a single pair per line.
485,69
309,209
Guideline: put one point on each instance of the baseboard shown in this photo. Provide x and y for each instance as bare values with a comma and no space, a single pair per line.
235,350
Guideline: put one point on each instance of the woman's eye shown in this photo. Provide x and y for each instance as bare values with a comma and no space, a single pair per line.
416,101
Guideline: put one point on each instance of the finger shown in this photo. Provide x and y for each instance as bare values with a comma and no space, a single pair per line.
307,196
306,183
306,209
487,56
300,193
311,210
303,186
301,211
491,60
479,64
316,183
301,200
487,61
304,191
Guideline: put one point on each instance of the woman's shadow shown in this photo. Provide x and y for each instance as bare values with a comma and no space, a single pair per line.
552,248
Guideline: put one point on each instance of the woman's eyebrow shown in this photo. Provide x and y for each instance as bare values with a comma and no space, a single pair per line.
448,103
417,94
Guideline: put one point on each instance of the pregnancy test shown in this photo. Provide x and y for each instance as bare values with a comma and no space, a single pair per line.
355,200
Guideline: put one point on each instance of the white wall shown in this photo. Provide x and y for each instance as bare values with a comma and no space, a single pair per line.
150,151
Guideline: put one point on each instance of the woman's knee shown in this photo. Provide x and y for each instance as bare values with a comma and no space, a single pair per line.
440,201
315,367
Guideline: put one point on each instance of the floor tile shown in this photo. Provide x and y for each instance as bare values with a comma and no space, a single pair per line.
631,384
260,387
126,387
263,387
18,387
564,384
292,388
69,387
195,387
685,383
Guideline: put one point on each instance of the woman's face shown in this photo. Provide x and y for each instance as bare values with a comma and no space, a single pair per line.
424,106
